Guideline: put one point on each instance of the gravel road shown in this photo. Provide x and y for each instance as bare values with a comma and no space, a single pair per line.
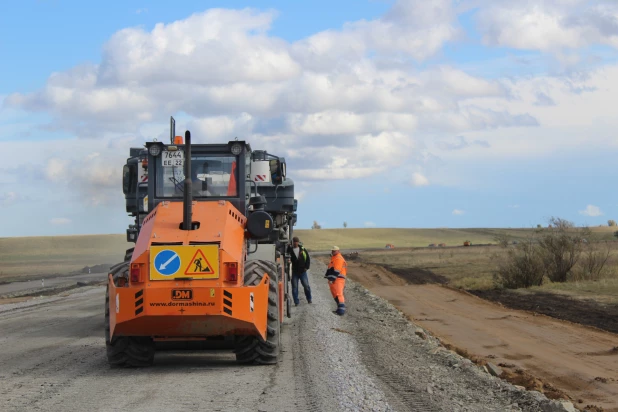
53,358
31,287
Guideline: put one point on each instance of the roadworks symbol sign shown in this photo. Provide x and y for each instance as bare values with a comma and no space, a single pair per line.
180,261
199,265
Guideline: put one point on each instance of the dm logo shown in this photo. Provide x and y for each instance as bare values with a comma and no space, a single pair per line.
167,262
182,294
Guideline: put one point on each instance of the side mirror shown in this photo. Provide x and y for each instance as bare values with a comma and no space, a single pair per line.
129,178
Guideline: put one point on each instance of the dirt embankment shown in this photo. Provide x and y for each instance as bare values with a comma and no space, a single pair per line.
560,359
584,312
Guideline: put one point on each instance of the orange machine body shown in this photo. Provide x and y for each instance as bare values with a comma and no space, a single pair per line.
186,284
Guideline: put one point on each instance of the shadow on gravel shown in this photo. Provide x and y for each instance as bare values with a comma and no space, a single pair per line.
181,360
417,276
588,313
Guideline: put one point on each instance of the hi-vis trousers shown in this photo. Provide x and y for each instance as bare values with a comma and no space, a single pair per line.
336,289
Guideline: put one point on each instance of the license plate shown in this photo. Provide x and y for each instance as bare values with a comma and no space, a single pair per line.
173,158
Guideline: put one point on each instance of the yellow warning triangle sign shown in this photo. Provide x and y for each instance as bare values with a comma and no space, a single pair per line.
199,265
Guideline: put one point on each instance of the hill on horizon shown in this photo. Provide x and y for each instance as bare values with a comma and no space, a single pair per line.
29,256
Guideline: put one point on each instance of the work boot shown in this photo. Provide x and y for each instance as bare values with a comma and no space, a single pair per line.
340,309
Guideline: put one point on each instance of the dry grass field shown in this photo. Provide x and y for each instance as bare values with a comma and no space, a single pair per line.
472,268
323,239
22,257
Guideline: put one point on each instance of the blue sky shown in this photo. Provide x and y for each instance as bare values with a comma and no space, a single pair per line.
407,113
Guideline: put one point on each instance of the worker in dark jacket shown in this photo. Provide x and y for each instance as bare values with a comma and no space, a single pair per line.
300,264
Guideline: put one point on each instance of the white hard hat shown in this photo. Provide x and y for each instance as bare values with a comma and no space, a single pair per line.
335,248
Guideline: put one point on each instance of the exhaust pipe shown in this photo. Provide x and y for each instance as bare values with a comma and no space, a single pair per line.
187,200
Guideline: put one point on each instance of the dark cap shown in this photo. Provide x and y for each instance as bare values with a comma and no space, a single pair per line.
295,239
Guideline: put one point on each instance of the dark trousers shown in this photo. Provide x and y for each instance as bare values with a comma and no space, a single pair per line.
304,280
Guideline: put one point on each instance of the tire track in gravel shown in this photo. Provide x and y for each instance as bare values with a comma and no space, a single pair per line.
54,359
308,385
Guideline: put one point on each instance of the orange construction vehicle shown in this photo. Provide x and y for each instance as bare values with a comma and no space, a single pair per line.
212,222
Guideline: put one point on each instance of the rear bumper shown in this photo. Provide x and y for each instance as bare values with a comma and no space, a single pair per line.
172,310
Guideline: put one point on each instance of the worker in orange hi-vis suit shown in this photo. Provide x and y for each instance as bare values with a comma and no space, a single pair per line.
336,275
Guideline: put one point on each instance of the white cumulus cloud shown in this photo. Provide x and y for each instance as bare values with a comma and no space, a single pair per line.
339,104
419,180
592,211
549,25
458,212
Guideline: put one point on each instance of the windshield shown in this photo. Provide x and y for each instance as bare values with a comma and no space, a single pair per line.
212,176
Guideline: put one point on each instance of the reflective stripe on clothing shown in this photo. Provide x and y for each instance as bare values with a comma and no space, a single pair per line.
339,265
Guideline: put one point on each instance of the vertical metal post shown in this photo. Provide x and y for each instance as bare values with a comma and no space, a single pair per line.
188,194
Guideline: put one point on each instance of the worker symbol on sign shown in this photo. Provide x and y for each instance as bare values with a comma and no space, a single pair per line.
199,265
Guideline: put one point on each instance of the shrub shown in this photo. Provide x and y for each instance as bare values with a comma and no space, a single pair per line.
561,247
561,252
592,265
523,267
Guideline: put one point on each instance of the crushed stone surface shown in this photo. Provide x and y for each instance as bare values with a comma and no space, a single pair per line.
371,359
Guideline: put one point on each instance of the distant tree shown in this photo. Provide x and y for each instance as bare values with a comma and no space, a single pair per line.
345,224
616,233
611,222
539,226
316,225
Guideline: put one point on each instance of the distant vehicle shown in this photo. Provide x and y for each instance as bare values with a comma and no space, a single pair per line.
390,246
432,245
467,243
442,245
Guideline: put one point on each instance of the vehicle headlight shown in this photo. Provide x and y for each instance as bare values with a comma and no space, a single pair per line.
236,149
154,150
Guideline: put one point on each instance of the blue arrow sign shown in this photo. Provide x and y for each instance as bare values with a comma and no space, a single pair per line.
167,262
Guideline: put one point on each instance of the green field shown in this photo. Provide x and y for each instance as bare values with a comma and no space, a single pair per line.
24,256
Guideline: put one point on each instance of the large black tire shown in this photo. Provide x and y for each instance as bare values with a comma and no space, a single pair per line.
128,254
254,349
126,351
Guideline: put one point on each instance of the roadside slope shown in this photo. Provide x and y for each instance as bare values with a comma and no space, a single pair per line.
578,360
